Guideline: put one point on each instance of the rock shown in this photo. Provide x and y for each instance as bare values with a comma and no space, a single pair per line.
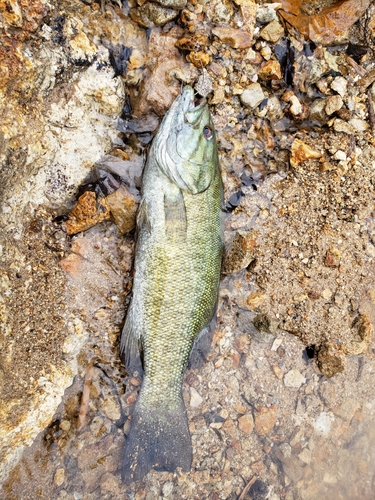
358,125
294,379
88,212
59,477
199,58
265,419
195,398
330,360
305,456
362,331
331,260
219,11
229,427
173,4
302,152
318,113
326,294
339,155
272,32
235,38
270,70
109,483
254,299
159,90
339,84
252,96
123,207
323,423
204,84
333,104
265,14
246,423
167,488
264,323
241,253
151,14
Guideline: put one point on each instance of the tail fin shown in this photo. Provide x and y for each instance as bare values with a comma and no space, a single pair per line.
159,438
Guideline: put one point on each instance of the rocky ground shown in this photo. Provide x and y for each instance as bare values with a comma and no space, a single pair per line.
282,409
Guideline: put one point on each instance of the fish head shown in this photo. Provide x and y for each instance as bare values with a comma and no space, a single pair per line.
185,146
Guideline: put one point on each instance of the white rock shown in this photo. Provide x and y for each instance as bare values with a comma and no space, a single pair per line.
305,456
195,398
327,294
323,423
339,155
252,96
294,379
167,488
339,84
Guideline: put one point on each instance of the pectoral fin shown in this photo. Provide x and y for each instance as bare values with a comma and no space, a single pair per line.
142,216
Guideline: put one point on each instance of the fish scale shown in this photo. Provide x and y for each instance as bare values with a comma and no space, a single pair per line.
177,270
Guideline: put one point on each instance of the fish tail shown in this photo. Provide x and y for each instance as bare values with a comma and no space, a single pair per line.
159,438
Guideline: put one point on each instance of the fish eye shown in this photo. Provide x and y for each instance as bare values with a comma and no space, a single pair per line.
207,132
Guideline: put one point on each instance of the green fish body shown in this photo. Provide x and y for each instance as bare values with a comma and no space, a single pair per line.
177,271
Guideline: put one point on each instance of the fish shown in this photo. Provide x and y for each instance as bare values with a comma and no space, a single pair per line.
177,265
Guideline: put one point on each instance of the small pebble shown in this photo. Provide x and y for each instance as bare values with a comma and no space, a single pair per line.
252,96
272,32
195,398
339,155
294,379
167,488
339,84
246,423
59,477
333,104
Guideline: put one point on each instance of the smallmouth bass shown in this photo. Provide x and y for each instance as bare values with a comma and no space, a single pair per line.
177,270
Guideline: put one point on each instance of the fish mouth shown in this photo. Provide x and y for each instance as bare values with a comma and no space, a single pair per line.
190,101
191,106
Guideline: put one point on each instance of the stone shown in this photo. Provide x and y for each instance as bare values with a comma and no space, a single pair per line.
322,424
199,59
235,38
305,456
59,477
195,398
318,113
173,4
294,379
333,104
123,207
241,253
87,213
270,70
151,14
302,152
339,155
265,419
330,360
272,32
246,423
167,488
252,96
339,84
254,299
266,13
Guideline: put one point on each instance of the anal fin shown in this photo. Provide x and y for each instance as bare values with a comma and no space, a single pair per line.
130,348
201,346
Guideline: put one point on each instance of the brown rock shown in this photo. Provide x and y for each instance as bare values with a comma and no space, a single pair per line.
88,212
330,360
254,299
272,32
333,104
331,260
362,331
242,252
236,38
302,152
150,15
199,58
229,427
123,206
265,419
160,89
270,70
246,423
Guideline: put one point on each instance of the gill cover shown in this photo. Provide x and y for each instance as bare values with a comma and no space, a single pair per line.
183,149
